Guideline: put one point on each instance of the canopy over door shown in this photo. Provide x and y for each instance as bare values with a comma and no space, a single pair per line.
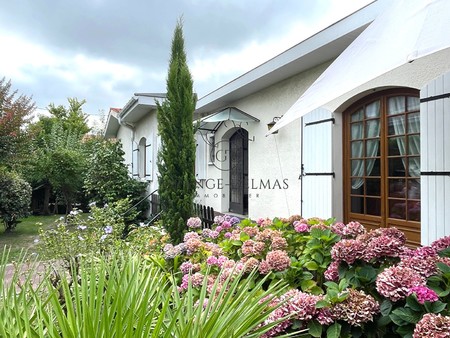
410,40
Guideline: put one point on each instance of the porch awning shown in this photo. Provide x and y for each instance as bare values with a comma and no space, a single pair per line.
213,121
410,40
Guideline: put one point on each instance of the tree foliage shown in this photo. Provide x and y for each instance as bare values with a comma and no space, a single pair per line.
15,113
71,117
176,158
15,197
107,178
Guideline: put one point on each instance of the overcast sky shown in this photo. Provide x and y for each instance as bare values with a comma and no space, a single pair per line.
104,51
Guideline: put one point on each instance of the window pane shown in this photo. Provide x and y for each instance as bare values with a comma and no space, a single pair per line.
413,123
396,105
357,205
357,116
372,128
357,186
373,110
413,145
397,188
397,209
357,167
373,148
396,146
414,166
396,167
413,103
357,149
373,187
396,125
373,206
414,189
373,167
414,211
357,131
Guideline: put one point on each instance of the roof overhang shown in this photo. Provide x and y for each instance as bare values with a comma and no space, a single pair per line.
322,47
407,44
138,106
214,121
112,126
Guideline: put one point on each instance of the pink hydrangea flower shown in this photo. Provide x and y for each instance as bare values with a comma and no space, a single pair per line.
347,250
395,282
212,260
301,227
332,273
357,309
441,243
278,260
194,223
423,294
432,326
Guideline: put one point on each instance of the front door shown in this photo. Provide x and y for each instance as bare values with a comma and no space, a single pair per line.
239,172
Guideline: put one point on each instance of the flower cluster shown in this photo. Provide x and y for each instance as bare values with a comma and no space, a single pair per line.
171,251
395,282
423,260
300,226
433,326
357,309
350,230
194,223
441,244
423,294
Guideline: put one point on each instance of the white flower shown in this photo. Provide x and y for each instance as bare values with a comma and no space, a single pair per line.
36,240
80,238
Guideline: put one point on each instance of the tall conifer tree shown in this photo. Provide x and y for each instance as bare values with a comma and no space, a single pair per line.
176,157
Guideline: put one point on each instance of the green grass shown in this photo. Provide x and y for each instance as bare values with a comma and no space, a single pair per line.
24,235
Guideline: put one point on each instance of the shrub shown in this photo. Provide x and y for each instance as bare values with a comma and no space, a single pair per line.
15,198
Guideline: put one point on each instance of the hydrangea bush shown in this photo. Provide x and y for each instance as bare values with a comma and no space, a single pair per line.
344,281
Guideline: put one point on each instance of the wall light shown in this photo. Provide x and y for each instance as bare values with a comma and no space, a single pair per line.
272,123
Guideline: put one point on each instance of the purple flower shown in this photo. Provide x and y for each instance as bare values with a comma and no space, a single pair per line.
226,225
227,235
108,229
423,294
234,220
332,273
103,237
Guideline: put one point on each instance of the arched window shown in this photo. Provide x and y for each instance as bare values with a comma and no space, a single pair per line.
382,162
142,157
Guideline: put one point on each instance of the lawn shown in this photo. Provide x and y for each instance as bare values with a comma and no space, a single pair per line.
25,234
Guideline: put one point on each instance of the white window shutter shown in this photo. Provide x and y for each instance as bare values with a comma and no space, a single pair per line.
149,159
135,162
435,159
200,157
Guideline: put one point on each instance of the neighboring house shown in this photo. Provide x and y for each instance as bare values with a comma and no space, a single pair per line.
359,142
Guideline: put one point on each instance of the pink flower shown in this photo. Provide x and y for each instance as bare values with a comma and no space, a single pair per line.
395,282
357,309
226,225
279,243
423,294
423,260
332,273
194,222
350,230
347,250
227,235
432,326
441,243
278,260
301,227
212,260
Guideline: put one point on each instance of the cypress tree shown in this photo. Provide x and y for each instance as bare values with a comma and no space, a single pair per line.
176,157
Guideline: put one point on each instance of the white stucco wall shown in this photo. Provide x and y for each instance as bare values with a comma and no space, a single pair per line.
274,160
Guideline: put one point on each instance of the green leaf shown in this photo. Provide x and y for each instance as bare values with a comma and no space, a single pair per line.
321,304
412,302
366,274
307,284
405,331
311,265
244,236
435,307
334,331
315,329
236,243
445,269
406,314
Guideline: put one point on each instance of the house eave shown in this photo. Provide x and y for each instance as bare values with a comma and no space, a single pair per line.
324,46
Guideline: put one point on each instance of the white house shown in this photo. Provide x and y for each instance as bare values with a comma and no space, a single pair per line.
360,111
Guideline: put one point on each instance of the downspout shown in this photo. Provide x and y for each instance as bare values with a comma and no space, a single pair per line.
301,166
133,131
